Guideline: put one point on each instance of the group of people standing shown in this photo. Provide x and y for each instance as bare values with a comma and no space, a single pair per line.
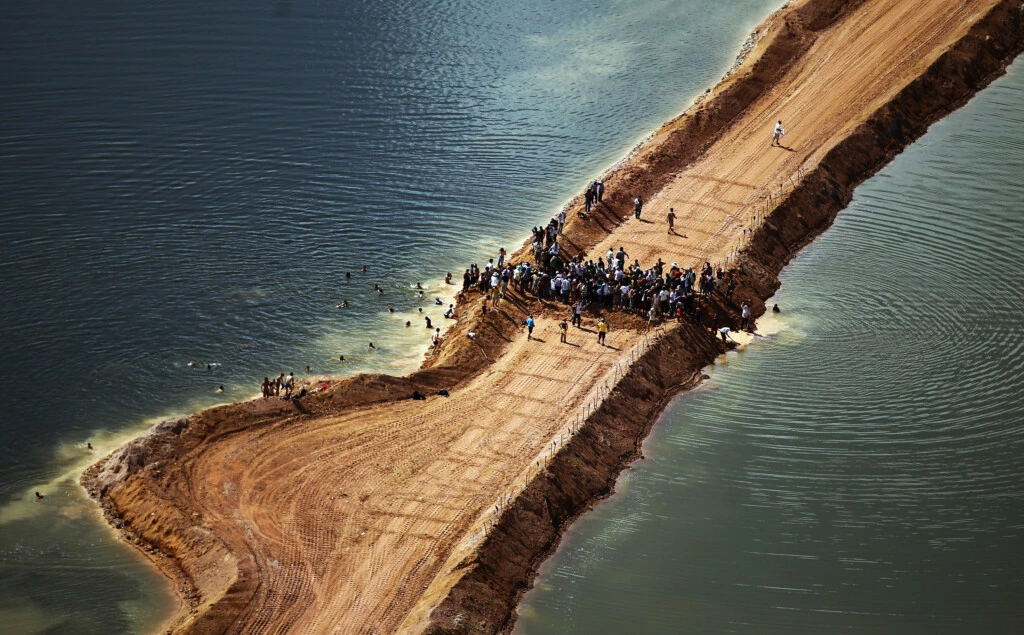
274,387
657,291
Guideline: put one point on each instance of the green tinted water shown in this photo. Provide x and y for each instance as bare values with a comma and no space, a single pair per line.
860,470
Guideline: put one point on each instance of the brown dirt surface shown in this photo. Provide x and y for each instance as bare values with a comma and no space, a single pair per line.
360,510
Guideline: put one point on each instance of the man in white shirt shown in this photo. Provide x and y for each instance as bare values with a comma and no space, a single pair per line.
778,134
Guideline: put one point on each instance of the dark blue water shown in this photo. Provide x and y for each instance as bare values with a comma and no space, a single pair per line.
858,470
192,181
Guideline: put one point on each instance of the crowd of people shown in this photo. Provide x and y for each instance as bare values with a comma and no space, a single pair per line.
657,291
614,283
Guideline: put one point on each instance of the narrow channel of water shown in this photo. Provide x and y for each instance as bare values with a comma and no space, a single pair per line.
860,469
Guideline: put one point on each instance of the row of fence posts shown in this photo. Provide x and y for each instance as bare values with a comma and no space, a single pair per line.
601,392
772,198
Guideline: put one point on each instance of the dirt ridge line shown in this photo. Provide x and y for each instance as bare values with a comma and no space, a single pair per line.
528,532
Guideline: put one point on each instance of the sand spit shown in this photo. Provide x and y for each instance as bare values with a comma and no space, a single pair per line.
359,510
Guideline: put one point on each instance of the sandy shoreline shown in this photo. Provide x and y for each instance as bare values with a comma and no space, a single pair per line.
360,510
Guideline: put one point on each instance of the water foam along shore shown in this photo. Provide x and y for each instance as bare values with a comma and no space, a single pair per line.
358,509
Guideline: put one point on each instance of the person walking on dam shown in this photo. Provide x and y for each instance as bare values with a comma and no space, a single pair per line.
778,134
671,216
638,206
602,331
529,327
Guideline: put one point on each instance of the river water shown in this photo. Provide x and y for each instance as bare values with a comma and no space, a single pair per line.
859,469
191,181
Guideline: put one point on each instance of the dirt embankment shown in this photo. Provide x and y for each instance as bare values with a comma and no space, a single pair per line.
585,471
209,498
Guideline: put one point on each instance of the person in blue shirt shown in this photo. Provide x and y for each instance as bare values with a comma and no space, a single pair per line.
529,327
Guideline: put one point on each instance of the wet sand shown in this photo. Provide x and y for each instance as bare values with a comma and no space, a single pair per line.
357,509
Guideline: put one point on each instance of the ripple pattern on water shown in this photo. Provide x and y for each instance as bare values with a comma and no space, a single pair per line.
861,470
193,180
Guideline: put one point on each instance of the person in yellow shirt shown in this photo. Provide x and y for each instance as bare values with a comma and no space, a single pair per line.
602,331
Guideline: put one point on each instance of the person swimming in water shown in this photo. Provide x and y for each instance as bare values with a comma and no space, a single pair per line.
448,278
348,275
408,323
372,347
450,312
39,496
191,364
221,389
364,268
343,305
438,302
421,309
419,286
88,446
391,309
341,358
428,321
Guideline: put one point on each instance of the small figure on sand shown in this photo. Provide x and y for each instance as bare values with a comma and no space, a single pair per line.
744,317
778,134
529,327
450,311
267,387
602,330
563,330
724,332
435,339
671,216
638,206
